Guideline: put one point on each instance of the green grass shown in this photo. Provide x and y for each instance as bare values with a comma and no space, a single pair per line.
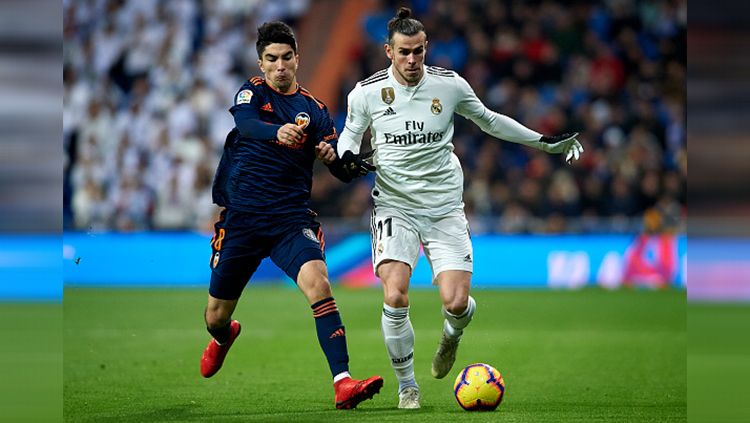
718,358
32,366
591,355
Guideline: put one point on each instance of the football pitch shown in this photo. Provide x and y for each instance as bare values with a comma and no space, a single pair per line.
566,356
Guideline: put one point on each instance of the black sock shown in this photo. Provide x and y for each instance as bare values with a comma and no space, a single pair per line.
221,334
331,335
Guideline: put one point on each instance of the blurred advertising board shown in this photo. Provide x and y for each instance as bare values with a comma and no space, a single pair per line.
30,268
565,261
533,261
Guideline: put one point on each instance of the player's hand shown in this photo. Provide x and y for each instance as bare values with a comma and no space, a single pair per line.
356,165
325,152
563,144
350,165
290,134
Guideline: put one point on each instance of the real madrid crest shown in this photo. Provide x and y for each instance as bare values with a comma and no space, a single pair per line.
436,106
387,94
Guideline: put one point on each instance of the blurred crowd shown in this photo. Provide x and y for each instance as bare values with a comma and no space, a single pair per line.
147,86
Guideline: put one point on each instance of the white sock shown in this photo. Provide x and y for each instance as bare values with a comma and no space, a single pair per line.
454,325
342,375
399,341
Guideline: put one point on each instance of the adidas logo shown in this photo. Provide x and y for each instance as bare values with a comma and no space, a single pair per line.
467,259
389,112
337,332
267,108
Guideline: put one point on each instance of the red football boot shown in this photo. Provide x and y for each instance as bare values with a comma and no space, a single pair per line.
213,355
350,392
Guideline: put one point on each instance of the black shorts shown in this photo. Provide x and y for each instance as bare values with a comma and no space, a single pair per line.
242,240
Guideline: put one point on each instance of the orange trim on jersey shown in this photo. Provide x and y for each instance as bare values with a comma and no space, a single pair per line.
296,89
294,146
330,137
322,240
306,93
256,80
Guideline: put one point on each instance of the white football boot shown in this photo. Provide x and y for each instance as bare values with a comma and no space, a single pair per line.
445,356
409,398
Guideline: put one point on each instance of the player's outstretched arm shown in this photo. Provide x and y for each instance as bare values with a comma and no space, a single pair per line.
507,128
350,166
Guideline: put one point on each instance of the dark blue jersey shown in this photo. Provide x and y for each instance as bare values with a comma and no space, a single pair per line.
259,174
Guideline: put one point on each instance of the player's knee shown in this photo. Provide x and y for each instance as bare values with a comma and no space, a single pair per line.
457,305
395,286
396,298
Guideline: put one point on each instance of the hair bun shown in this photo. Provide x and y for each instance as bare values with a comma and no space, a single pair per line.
404,12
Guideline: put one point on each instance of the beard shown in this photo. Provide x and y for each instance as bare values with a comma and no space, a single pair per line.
282,84
411,76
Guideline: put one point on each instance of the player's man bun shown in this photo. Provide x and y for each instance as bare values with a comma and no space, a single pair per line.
274,32
403,23
404,12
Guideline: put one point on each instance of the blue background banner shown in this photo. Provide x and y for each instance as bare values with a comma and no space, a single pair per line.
30,268
564,261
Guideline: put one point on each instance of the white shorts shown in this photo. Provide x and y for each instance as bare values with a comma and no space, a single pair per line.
397,235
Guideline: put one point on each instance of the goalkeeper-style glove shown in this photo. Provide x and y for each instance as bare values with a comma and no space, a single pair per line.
565,143
350,165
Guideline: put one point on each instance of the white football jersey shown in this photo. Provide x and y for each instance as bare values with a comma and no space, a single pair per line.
412,134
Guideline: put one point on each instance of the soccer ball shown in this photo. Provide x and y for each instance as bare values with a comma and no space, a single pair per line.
479,387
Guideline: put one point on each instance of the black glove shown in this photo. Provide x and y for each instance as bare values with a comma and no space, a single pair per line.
350,165
563,144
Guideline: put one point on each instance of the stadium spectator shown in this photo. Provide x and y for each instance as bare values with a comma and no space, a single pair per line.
616,69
